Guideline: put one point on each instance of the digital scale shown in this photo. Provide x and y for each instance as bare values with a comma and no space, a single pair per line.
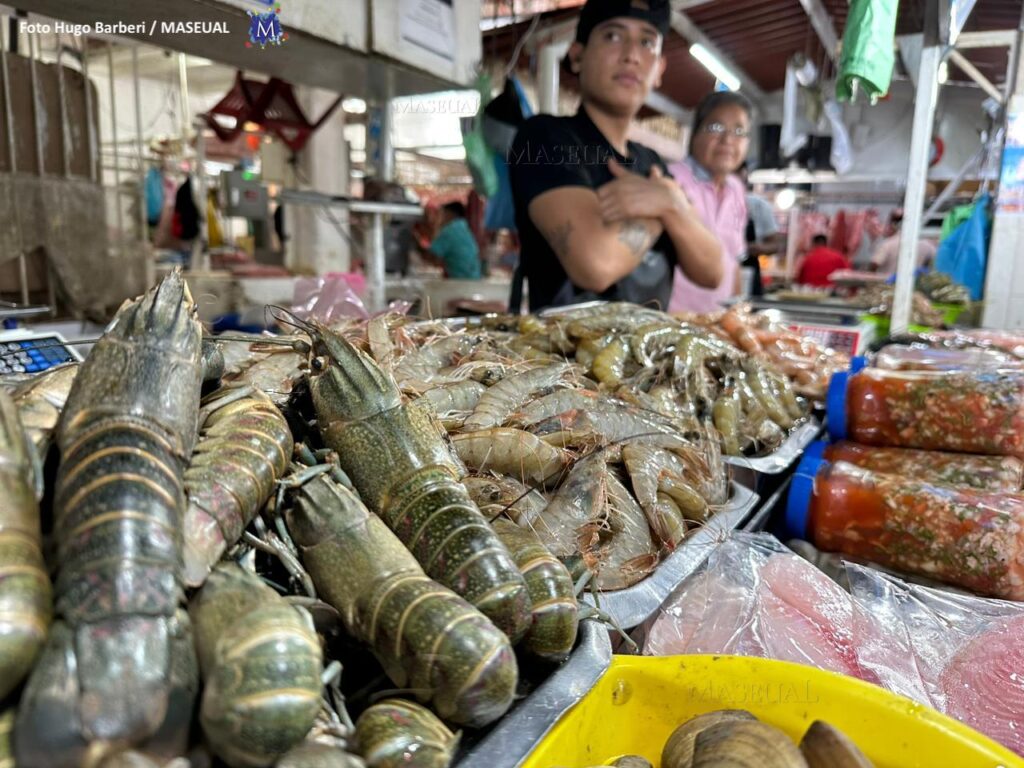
24,351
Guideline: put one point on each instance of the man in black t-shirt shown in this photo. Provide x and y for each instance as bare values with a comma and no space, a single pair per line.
599,216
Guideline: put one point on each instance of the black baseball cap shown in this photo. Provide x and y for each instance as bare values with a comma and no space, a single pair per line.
655,12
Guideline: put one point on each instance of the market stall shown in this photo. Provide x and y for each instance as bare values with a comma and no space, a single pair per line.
308,495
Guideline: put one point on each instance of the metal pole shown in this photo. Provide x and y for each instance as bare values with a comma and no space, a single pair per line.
183,96
9,122
957,180
386,147
548,78
792,239
113,136
975,74
150,267
65,138
917,174
200,249
89,128
36,118
8,113
374,253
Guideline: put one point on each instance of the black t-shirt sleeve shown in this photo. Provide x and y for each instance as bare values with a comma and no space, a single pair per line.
545,155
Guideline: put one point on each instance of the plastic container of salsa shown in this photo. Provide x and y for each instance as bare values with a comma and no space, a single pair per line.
966,537
968,470
961,411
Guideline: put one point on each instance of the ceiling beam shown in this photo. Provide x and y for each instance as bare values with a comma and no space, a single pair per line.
659,102
682,24
821,20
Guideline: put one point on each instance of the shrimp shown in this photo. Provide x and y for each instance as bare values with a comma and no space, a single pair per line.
741,333
457,397
555,403
726,413
654,471
505,495
758,381
511,452
626,553
569,525
501,400
610,363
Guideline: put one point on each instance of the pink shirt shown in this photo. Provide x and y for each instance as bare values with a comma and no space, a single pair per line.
724,212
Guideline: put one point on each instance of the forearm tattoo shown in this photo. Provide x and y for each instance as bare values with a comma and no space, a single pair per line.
635,236
560,238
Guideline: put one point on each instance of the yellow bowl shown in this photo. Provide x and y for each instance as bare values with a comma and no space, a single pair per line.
641,699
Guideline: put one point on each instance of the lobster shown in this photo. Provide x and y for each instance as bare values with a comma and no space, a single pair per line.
119,667
400,464
243,450
400,734
552,634
260,660
25,594
426,637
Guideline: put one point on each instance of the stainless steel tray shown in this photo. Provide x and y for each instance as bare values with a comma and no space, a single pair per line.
759,520
512,739
633,606
783,457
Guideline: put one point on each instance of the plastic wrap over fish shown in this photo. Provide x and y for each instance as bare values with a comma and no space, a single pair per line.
956,653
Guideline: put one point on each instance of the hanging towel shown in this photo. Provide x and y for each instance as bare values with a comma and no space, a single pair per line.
868,49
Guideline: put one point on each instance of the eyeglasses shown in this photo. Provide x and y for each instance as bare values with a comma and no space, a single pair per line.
717,129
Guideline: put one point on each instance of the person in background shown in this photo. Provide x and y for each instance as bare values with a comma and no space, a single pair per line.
718,147
819,264
597,215
887,254
763,236
454,247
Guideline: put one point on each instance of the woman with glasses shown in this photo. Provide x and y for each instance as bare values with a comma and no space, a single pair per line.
718,147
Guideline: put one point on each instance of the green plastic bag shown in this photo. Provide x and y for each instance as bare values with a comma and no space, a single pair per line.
479,156
868,49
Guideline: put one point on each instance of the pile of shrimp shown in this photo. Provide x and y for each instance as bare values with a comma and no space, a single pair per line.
805,362
602,429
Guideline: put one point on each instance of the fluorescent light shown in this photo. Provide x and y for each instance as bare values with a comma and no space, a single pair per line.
353,105
943,72
715,67
785,199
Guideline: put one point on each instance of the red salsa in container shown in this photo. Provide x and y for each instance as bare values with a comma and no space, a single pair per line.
966,537
987,473
963,411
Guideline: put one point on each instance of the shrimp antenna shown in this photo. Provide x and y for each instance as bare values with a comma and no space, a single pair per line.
284,317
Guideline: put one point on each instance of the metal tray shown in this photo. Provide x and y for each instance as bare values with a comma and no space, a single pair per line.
633,606
783,457
759,520
515,735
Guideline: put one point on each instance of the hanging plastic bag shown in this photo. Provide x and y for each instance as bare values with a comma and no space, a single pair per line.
842,151
153,188
500,212
792,139
963,255
479,156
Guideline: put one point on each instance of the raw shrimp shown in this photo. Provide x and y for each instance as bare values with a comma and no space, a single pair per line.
501,400
610,363
569,524
726,413
626,553
512,452
505,495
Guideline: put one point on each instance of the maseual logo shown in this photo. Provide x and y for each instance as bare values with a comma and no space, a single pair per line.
265,27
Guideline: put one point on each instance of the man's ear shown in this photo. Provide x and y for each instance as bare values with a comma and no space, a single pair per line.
660,70
575,57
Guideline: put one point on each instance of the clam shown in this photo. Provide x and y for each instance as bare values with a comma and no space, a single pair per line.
678,751
632,761
745,744
824,746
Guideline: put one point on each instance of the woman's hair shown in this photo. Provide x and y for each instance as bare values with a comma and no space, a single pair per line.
713,101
